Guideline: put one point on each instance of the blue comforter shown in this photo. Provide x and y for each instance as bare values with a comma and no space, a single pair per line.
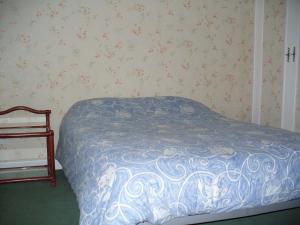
153,159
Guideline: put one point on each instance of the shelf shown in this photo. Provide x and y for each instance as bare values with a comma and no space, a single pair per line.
48,134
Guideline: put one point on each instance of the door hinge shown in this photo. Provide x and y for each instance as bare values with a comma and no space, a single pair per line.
294,53
288,55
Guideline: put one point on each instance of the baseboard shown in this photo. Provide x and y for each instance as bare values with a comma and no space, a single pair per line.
26,163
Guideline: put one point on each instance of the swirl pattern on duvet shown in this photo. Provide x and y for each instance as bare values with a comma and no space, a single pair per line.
153,159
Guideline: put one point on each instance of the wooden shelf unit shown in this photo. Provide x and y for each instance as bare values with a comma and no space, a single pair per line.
48,134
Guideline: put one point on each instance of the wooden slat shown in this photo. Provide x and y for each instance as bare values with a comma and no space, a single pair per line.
23,127
24,167
26,135
27,179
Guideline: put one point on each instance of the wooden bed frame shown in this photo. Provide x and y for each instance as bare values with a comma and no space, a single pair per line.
48,134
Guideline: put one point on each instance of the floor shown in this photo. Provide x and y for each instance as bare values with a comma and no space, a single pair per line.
37,203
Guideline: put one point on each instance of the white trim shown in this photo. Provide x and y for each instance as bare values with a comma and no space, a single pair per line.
292,34
258,60
26,163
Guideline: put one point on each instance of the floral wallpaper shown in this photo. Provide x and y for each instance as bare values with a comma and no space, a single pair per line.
54,53
274,25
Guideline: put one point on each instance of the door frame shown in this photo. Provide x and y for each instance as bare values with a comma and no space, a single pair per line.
259,15
290,75
290,69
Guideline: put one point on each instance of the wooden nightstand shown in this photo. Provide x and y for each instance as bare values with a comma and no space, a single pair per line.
47,133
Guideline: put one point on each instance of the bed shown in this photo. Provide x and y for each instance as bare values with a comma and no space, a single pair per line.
172,160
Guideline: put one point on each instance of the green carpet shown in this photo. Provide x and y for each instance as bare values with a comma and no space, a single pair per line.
37,203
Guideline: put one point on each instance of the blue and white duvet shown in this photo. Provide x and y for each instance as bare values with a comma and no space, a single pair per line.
153,159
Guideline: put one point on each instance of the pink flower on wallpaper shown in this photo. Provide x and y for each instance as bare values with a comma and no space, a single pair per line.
38,86
170,41
230,78
170,12
169,75
188,44
162,49
62,42
22,64
227,97
82,34
98,55
278,106
140,72
46,64
187,4
118,81
119,15
279,70
62,3
208,83
24,38
228,40
185,66
109,54
53,84
137,30
208,23
84,78
136,93
39,13
165,66
62,73
53,13
104,36
119,45
269,60
140,7
150,50
85,10
231,20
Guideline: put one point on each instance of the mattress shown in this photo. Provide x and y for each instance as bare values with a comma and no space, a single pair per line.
134,160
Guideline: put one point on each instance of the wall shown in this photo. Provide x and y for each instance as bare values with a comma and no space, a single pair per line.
54,53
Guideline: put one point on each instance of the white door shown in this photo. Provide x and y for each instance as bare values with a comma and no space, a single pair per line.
291,67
